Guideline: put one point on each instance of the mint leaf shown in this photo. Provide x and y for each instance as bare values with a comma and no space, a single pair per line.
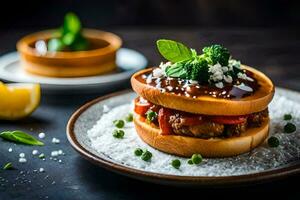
20,137
173,51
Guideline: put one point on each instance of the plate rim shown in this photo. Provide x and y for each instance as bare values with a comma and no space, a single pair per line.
84,81
257,177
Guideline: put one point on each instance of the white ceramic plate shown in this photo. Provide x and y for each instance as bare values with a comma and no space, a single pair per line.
128,62
257,171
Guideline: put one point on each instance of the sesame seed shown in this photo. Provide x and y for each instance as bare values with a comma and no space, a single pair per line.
60,152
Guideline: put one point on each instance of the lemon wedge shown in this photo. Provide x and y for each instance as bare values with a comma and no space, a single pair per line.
18,100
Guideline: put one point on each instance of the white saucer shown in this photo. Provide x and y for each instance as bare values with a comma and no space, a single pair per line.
128,62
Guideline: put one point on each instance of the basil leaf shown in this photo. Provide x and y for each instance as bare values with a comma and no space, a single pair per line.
71,24
20,137
177,70
173,51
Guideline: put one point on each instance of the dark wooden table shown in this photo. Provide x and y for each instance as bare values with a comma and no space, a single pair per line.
274,51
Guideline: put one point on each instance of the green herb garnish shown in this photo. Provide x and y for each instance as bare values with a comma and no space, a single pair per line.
196,159
173,51
138,152
176,163
41,156
187,64
273,141
151,115
20,137
119,123
129,117
8,166
71,37
289,128
287,117
118,134
146,156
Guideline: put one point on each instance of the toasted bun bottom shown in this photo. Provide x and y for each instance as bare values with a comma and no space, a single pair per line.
187,146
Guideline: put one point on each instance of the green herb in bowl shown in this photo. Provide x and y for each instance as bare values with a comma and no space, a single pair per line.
71,38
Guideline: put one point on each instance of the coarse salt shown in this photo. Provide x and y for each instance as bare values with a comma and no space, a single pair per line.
42,135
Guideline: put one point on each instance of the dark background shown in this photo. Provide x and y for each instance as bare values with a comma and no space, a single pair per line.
197,13
264,34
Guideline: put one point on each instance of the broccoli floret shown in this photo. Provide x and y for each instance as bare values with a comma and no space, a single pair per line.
216,54
197,69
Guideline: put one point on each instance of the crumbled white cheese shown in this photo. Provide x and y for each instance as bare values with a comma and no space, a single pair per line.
10,150
193,82
42,135
227,79
163,66
35,152
244,87
219,85
157,72
42,169
225,69
170,88
149,79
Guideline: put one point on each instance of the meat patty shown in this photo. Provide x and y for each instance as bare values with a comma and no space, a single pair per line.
211,129
204,130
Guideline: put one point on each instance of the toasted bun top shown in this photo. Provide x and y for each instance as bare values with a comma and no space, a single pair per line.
209,105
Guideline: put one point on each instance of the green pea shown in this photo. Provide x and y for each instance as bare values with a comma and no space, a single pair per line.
287,117
118,134
119,123
273,141
138,151
190,162
176,163
8,166
129,117
146,156
151,115
196,159
289,128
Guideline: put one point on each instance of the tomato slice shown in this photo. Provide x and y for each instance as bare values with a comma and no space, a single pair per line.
228,119
191,121
141,106
163,120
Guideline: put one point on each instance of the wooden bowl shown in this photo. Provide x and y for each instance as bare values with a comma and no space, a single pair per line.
99,60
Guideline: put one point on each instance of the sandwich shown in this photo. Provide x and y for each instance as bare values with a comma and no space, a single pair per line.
207,103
